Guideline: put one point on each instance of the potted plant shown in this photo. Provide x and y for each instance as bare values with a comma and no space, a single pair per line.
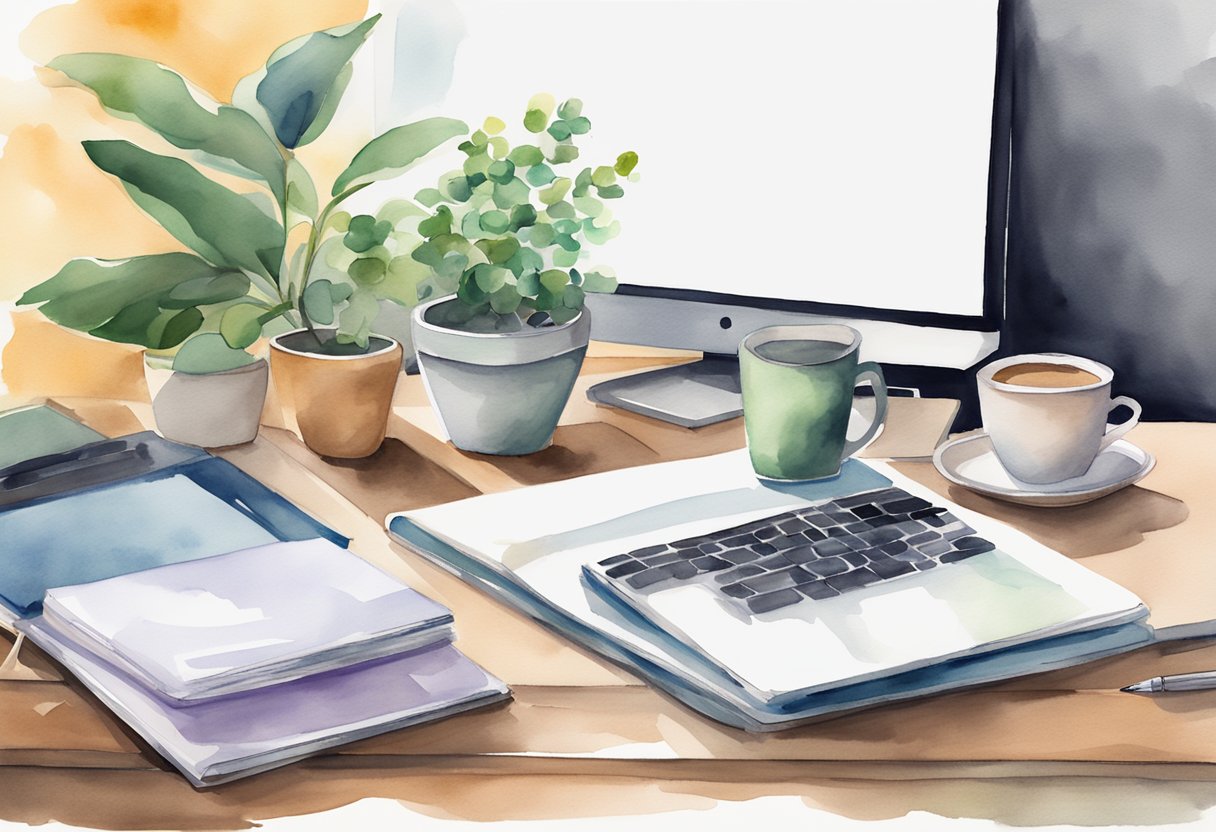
262,264
503,331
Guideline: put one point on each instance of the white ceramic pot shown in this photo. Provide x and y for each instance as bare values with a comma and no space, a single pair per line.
209,410
500,392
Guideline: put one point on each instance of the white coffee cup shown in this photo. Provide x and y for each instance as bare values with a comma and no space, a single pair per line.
1046,414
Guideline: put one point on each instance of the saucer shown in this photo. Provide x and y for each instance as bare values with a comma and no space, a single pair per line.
971,462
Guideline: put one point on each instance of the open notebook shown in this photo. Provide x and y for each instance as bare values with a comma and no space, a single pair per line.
1016,609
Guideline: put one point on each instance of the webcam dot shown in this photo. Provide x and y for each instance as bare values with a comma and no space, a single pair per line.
726,323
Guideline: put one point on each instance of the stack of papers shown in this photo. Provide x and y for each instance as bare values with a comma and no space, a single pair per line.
234,664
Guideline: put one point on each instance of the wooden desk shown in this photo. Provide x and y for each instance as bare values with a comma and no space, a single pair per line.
584,738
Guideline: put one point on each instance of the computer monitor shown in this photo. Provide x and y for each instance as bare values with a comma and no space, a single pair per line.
801,160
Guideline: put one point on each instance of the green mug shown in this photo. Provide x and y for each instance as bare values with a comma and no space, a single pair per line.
798,384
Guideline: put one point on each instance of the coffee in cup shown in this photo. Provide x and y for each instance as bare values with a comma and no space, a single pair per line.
1046,414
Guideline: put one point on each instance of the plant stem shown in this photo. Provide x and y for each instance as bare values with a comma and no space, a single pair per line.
310,253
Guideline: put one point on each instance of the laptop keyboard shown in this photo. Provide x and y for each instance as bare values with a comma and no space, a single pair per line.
811,553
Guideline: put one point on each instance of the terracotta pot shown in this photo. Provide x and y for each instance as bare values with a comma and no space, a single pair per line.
340,402
210,410
502,392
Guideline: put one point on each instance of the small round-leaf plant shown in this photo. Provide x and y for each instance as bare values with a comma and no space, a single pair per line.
506,233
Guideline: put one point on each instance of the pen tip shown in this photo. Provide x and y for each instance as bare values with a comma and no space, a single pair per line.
1140,687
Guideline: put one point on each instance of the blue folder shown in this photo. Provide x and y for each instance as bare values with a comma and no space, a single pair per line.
117,506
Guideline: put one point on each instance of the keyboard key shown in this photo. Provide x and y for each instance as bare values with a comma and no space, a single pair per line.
738,574
739,555
817,590
693,541
614,559
976,544
661,560
906,505
623,569
865,512
891,568
851,580
772,562
709,563
649,550
954,557
855,500
826,567
793,526
787,541
649,577
710,548
933,511
767,533
762,548
740,540
894,547
923,537
877,537
830,547
773,580
935,548
801,554
773,600
856,558
814,534
737,591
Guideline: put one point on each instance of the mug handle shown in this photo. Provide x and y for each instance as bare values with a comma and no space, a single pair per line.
871,371
1113,432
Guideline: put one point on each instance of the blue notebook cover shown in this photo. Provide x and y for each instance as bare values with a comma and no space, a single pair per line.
124,505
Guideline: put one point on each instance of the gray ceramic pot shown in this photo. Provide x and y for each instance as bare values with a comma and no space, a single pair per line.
210,410
499,393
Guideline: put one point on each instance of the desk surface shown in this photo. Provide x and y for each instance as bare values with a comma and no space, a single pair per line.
588,738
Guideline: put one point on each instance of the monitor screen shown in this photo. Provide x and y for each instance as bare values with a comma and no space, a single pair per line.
796,156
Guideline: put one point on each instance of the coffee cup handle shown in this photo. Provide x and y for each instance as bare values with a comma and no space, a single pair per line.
868,370
1113,432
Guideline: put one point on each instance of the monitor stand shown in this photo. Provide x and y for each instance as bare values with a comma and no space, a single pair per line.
690,395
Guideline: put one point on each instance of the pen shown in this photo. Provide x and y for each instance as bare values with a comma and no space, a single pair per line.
1183,681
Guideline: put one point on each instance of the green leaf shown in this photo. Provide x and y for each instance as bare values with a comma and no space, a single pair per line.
437,225
542,234
355,321
535,120
570,109
505,300
301,75
158,98
180,327
202,291
367,271
559,130
610,192
319,302
526,155
364,233
540,175
134,324
495,222
207,352
85,294
430,197
579,126
500,250
240,325
555,192
490,278
528,284
301,192
329,106
564,153
223,226
597,282
522,216
626,162
502,171
390,153
560,211
603,176
511,194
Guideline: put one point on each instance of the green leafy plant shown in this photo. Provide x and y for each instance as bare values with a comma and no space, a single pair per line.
246,276
506,232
